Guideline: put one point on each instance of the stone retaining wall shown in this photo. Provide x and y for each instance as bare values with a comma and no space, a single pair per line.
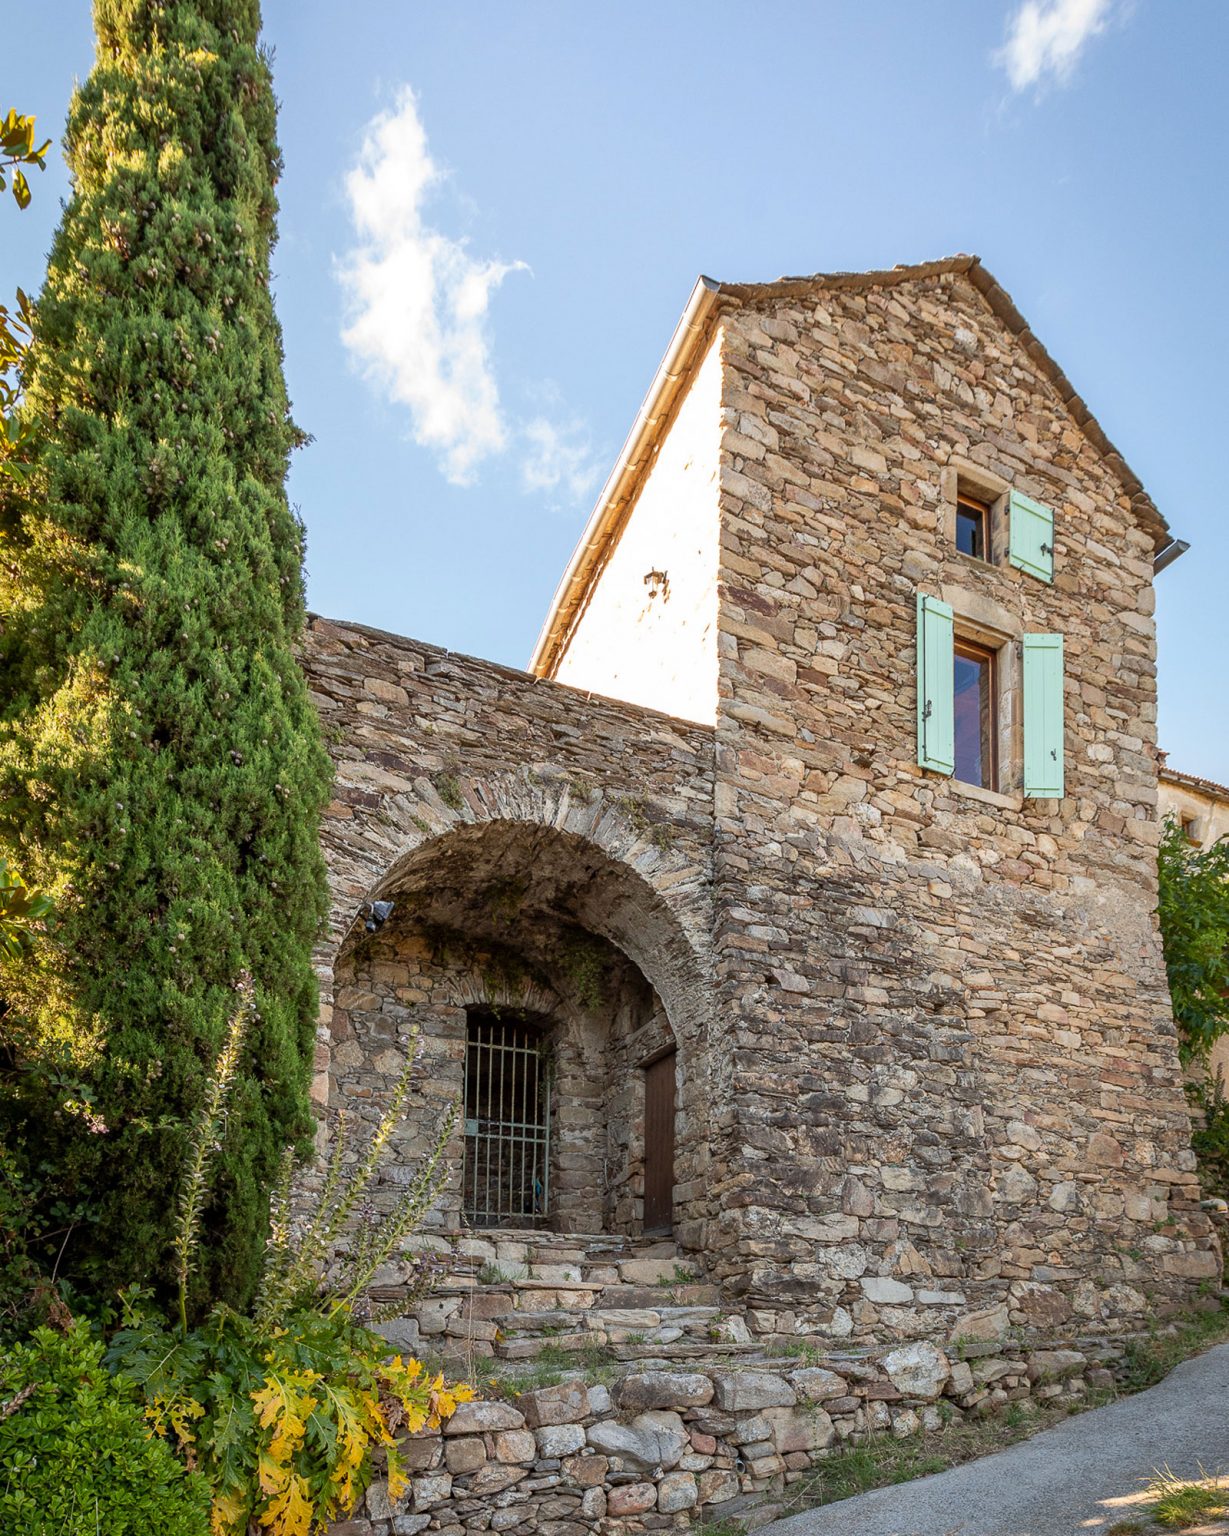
662,1448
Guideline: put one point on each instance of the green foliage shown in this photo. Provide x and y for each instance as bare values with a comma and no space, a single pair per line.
76,1457
878,1463
283,1407
332,1257
282,1421
583,960
1210,1133
161,768
1149,1360
33,1232
16,433
17,149
1194,915
21,910
448,788
205,1139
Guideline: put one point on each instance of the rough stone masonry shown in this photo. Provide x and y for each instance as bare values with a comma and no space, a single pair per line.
925,1061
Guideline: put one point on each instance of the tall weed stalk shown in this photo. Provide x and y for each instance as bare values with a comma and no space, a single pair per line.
297,1266
205,1141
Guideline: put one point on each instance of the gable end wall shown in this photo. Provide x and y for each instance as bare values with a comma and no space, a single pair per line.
956,1083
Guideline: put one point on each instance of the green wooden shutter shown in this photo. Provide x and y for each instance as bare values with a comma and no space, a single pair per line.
936,742
1043,716
1031,536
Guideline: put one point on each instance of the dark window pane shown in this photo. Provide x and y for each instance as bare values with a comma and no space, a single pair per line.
973,720
971,531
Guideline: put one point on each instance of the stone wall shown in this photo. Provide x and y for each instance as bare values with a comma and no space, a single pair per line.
545,850
956,1078
664,1448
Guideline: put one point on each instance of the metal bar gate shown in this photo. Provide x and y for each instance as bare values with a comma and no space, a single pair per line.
507,1123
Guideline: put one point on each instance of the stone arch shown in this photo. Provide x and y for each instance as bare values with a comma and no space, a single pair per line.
530,891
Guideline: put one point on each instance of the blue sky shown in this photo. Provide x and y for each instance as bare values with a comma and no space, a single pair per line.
472,318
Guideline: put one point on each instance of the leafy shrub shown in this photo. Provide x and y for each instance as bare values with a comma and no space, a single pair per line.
282,1421
285,1408
76,1455
1193,907
1210,1137
20,910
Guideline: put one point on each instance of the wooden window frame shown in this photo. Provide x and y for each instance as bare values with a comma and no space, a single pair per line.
983,509
988,709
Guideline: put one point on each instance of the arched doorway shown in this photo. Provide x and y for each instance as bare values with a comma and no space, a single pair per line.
551,989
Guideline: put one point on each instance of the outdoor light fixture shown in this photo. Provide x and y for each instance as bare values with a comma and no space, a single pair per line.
655,579
378,913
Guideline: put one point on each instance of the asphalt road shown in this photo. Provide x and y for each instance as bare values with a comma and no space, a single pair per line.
1077,1479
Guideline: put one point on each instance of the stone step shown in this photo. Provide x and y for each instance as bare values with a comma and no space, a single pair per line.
691,1294
619,1324
668,1358
530,1346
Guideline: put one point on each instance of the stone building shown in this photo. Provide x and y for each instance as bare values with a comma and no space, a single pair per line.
798,904
1199,806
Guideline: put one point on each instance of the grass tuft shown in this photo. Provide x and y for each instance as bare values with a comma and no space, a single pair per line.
1181,1502
1149,1360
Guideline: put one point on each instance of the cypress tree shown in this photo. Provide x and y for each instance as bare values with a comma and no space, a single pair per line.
161,767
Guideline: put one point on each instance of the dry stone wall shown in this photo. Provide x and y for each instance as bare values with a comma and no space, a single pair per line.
665,1448
956,1078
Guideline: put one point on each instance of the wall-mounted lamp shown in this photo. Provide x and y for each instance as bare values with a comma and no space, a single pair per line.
378,913
657,580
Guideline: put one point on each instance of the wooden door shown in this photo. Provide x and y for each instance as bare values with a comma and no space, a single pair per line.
659,1145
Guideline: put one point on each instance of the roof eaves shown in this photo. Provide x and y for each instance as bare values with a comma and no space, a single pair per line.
1193,781
618,495
1003,307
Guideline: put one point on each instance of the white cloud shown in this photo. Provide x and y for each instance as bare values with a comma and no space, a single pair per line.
418,301
1048,36
559,459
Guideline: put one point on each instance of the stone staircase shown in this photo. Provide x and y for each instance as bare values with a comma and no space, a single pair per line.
517,1296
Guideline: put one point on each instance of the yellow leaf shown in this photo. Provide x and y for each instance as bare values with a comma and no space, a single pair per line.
272,1474
287,1407
226,1513
398,1482
289,1513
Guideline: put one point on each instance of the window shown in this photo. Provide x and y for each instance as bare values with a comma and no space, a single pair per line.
973,714
972,526
990,709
